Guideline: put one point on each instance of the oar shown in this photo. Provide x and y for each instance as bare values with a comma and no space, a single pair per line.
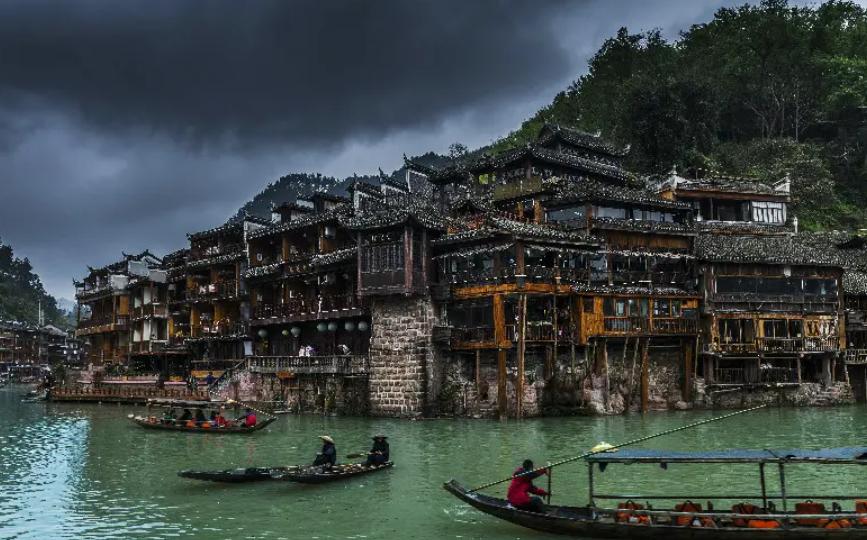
358,455
621,445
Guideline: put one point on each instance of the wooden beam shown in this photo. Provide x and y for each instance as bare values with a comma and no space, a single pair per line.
687,370
499,315
478,371
501,383
645,378
556,328
407,258
522,343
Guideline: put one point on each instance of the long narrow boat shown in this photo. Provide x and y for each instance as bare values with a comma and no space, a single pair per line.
319,475
238,476
304,474
154,423
756,518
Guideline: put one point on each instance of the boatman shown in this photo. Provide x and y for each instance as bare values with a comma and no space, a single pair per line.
379,453
328,456
522,486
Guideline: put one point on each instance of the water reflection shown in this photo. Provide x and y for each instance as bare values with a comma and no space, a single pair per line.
86,472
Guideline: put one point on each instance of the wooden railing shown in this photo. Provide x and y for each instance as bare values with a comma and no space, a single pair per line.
809,344
121,393
785,345
222,289
647,325
214,251
856,356
755,375
303,306
150,310
331,364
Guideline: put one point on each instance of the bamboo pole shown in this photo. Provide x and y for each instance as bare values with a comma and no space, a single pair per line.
623,445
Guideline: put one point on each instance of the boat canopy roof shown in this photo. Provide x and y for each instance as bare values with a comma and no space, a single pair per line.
840,456
185,404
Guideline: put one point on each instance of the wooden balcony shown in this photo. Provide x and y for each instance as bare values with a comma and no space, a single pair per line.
102,325
783,345
303,309
628,326
214,291
769,303
755,375
154,310
306,365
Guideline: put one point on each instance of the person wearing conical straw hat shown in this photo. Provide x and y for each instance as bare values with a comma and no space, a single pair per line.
327,457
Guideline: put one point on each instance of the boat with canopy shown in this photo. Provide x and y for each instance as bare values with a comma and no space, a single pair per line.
783,513
171,422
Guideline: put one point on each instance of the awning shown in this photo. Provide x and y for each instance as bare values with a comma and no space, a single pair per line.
847,455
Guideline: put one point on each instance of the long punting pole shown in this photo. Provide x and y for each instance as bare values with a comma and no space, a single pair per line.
621,445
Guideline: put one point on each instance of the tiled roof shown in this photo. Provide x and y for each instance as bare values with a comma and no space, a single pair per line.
802,249
587,190
574,137
334,257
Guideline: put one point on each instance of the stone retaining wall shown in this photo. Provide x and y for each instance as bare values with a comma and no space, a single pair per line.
401,355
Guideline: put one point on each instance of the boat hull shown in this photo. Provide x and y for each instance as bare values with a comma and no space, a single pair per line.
315,475
216,431
580,522
237,476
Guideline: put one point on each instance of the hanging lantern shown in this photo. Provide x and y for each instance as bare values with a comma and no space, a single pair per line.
296,331
332,326
321,327
349,326
285,332
363,326
263,333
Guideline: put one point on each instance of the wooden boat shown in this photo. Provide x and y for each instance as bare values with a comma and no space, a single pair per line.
150,422
237,476
592,521
319,475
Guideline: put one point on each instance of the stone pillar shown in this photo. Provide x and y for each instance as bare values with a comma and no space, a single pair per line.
826,370
401,354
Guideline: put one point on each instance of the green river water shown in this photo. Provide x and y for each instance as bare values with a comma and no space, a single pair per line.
70,471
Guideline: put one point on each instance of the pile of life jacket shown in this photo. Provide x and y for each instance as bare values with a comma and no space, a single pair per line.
629,517
752,523
810,507
692,521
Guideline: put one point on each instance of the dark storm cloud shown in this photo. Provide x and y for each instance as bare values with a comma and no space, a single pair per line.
126,124
301,72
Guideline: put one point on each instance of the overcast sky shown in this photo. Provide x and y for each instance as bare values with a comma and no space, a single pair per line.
125,125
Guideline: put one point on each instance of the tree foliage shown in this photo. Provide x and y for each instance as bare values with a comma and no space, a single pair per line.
21,292
764,89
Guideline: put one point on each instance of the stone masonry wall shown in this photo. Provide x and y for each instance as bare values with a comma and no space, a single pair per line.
401,353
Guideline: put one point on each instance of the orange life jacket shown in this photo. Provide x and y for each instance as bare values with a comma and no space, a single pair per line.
810,507
763,524
743,508
691,521
629,517
861,508
190,423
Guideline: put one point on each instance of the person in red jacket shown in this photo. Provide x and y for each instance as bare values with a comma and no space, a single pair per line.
522,486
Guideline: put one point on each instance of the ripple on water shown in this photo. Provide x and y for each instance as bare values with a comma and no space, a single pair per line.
86,472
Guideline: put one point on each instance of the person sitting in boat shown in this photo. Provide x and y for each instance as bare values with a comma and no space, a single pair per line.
379,453
522,486
328,456
200,417
186,415
169,416
249,418
220,420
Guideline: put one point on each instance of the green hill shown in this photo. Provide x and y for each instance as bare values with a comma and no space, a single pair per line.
763,90
21,292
